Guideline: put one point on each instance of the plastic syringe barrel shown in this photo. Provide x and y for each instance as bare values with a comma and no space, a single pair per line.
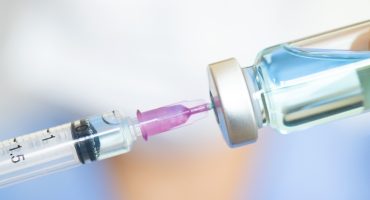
65,146
86,140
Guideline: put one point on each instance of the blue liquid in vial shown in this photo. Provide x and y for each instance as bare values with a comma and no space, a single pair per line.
306,87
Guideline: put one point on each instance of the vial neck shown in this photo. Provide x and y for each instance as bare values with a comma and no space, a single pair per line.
257,97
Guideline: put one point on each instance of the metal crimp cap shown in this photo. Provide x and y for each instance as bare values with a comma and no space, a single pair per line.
231,96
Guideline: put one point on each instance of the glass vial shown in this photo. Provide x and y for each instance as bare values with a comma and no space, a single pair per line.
294,85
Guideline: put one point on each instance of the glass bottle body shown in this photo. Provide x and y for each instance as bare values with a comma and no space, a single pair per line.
314,80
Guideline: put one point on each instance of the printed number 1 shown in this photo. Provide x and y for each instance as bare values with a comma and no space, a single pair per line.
50,137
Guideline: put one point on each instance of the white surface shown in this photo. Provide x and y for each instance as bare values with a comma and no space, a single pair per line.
133,54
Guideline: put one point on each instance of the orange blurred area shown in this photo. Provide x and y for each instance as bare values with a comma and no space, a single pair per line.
214,172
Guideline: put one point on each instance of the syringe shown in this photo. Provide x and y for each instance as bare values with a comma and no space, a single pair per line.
87,140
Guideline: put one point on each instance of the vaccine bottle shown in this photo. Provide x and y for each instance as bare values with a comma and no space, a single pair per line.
294,85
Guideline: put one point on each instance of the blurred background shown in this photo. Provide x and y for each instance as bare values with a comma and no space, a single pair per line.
64,60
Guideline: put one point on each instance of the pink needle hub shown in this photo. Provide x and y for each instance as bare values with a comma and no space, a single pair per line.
166,118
